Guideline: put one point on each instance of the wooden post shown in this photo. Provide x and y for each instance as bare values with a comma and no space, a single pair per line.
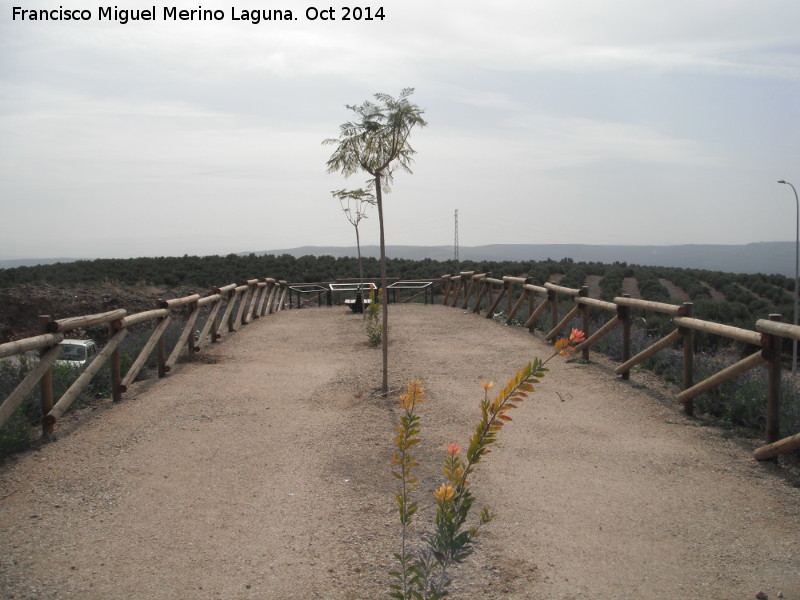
445,288
531,303
688,359
46,385
775,448
624,313
774,385
552,295
456,287
163,369
114,366
584,292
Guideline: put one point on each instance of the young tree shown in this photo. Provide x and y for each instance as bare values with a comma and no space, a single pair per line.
354,205
376,142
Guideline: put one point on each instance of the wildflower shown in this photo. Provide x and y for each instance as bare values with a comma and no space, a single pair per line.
577,336
453,449
487,385
445,492
565,345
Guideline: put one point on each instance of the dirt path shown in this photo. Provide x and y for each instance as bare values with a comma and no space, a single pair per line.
265,475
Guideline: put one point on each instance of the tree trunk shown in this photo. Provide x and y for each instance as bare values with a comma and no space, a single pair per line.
360,274
384,295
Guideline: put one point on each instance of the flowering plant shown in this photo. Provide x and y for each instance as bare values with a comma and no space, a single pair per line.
425,575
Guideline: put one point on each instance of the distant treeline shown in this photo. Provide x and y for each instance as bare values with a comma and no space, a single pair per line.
747,297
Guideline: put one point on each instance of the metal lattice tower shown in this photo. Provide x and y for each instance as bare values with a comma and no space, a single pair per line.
455,245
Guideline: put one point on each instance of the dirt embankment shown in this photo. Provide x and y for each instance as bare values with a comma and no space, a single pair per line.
21,305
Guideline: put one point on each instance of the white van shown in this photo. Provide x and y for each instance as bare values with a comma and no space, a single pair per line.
76,353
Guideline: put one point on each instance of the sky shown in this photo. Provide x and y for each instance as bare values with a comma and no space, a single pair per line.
576,122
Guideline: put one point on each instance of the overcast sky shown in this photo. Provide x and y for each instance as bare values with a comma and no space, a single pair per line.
613,122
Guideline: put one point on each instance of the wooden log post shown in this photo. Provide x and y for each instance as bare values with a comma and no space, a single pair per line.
271,297
530,324
238,299
161,353
71,323
480,292
456,288
262,298
726,374
60,407
114,365
46,387
26,386
186,339
157,336
556,330
592,339
531,302
773,385
523,297
552,296
660,345
474,284
496,302
284,289
584,293
624,314
445,289
776,448
688,359
211,321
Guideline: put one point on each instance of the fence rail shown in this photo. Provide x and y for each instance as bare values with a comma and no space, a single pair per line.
471,291
253,299
474,292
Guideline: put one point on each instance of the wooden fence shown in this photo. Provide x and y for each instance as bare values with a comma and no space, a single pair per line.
480,291
472,291
243,303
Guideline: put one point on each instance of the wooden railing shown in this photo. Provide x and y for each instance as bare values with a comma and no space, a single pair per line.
481,291
473,291
252,299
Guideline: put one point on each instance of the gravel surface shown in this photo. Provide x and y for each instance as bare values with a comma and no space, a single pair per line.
263,472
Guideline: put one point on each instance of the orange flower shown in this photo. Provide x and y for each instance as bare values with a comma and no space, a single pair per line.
445,492
576,336
453,449
487,385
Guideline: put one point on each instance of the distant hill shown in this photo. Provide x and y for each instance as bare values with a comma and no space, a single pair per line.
32,262
762,257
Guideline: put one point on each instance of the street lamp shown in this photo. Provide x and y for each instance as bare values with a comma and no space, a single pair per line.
796,255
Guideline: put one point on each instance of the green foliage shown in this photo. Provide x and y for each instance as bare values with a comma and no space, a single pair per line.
372,320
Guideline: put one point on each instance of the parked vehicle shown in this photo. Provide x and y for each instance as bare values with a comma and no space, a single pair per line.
76,353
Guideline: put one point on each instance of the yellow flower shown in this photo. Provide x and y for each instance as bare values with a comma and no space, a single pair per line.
487,385
445,492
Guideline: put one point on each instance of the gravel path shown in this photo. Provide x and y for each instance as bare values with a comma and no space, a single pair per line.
263,472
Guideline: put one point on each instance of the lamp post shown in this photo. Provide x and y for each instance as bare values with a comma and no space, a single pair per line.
796,255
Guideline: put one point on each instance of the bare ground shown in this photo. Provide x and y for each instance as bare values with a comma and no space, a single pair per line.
263,473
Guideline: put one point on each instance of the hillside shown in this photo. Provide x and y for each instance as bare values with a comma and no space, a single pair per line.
762,257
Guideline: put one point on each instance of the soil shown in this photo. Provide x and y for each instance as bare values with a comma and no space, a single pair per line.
20,305
263,471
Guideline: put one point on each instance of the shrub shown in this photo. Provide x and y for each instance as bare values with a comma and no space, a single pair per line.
372,319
